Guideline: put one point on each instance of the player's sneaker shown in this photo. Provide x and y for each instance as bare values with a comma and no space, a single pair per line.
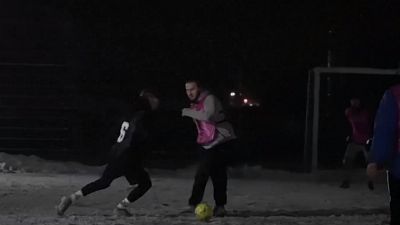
64,204
219,211
122,212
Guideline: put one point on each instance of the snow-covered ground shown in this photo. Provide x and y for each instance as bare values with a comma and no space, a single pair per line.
30,187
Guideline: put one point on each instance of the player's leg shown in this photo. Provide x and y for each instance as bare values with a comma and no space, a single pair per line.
394,188
201,177
370,183
136,176
219,178
348,164
110,173
143,181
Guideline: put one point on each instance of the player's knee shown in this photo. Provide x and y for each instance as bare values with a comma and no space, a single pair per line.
144,185
147,185
104,183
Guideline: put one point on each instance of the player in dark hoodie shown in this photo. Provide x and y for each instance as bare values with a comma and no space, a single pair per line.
126,158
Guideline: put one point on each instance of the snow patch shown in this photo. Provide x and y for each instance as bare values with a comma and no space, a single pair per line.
32,164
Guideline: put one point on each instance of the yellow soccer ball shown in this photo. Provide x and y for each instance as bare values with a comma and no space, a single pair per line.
203,212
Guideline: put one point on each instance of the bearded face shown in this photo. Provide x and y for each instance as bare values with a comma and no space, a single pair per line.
192,91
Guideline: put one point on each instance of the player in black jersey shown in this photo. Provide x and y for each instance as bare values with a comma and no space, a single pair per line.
126,158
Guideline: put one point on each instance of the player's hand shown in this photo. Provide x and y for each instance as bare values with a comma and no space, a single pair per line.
368,144
372,170
185,111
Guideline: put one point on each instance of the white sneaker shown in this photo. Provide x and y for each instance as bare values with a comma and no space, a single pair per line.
64,204
122,212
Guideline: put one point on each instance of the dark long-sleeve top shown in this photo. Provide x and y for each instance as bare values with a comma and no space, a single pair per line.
134,134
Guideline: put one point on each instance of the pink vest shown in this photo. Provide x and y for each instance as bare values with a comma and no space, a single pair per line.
206,130
396,93
361,125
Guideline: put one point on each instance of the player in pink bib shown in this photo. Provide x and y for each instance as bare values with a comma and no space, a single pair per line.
361,126
215,137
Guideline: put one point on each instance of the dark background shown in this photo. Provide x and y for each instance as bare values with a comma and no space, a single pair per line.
67,67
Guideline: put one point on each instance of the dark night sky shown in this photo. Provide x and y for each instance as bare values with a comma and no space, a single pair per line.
266,47
211,38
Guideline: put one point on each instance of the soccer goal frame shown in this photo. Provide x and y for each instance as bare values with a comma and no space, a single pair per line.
311,133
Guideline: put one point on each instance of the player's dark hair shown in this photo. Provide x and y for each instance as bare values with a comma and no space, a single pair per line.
141,102
148,92
193,80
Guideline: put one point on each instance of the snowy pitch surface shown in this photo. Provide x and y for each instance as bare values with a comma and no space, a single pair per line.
255,197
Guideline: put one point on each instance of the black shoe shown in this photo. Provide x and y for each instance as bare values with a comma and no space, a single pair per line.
219,211
371,185
345,184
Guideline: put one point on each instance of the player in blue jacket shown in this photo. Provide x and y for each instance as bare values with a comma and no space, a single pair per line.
385,149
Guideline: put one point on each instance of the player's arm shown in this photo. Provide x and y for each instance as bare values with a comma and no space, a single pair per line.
206,115
139,131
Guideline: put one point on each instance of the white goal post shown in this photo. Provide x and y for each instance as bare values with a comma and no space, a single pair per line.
313,107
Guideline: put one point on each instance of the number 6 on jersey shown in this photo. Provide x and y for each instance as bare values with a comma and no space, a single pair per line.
124,128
